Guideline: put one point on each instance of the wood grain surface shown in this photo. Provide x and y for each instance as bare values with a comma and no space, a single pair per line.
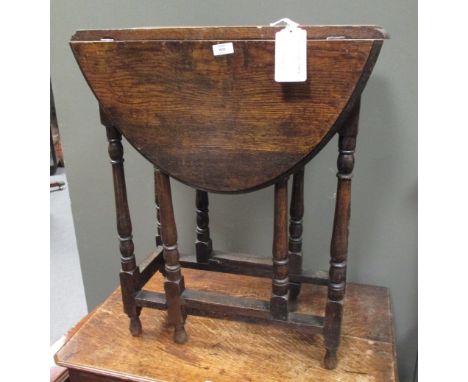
261,32
223,350
221,123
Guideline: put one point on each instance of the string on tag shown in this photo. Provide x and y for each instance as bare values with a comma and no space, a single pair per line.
289,23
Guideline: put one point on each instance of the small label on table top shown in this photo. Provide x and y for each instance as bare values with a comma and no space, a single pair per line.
222,49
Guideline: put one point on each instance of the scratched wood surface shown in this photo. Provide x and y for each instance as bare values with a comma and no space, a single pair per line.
205,119
221,350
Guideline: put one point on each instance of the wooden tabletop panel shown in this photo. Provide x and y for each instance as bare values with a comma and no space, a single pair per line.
225,351
222,123
225,33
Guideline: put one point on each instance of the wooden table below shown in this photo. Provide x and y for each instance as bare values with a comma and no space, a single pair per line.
101,348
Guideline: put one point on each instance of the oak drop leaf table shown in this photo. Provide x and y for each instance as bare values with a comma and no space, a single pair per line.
222,124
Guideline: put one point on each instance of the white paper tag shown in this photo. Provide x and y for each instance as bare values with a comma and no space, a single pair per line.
221,49
291,55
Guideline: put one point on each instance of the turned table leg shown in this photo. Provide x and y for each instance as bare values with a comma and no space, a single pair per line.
158,237
280,287
174,281
296,213
129,274
339,242
203,244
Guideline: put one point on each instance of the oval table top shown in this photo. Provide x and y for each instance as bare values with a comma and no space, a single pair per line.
222,123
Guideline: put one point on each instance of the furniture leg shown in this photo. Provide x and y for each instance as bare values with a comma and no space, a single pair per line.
174,281
280,287
296,213
158,218
129,274
203,244
339,242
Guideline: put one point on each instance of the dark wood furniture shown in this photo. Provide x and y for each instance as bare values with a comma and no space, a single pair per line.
53,124
101,349
222,124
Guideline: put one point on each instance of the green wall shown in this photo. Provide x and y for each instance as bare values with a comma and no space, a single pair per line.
383,242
